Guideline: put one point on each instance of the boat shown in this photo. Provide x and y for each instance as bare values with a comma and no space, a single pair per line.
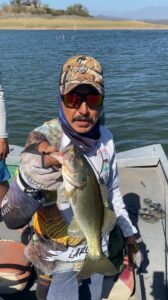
143,175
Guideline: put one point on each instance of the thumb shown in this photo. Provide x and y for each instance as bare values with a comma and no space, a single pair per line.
50,149
45,147
50,161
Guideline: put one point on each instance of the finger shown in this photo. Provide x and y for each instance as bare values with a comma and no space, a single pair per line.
2,156
131,267
130,259
50,149
49,161
46,148
5,154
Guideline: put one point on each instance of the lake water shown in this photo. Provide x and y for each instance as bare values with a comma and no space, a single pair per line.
136,80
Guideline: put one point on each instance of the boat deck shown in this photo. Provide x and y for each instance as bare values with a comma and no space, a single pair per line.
142,175
138,183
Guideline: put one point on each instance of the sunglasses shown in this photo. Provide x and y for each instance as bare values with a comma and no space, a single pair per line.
74,100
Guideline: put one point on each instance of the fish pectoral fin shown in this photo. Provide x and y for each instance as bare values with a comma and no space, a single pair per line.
70,194
62,197
109,221
74,229
101,265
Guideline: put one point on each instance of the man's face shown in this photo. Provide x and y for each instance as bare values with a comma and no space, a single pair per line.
83,118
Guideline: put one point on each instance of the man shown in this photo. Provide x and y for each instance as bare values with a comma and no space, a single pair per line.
39,183
4,149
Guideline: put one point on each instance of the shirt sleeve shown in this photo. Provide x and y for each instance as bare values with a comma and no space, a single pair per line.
3,118
18,207
116,199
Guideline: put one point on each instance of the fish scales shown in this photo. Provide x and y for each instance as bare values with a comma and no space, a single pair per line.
83,191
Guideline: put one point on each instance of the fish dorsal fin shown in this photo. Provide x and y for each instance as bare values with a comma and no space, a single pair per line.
104,194
109,220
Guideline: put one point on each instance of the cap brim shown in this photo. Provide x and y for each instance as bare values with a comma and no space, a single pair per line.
68,87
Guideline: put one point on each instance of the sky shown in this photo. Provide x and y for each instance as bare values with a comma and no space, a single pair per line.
106,6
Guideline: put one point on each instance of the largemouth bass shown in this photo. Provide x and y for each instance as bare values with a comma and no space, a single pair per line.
90,216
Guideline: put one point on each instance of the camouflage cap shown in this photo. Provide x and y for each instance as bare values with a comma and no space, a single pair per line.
81,69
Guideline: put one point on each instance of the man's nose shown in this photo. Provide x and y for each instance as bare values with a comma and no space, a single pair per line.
83,109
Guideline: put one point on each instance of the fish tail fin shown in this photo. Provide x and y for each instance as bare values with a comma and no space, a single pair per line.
100,265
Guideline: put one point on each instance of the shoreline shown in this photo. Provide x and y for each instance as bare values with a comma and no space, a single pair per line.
73,23
80,29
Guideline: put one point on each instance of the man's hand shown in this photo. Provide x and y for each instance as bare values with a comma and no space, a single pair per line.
134,254
38,169
4,148
46,149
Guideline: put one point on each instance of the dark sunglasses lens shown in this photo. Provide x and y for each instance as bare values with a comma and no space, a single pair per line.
71,100
94,101
75,100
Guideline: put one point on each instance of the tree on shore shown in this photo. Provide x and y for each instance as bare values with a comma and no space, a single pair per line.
16,2
77,9
35,3
37,7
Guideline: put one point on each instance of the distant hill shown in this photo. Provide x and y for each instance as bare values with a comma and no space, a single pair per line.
103,17
148,13
153,13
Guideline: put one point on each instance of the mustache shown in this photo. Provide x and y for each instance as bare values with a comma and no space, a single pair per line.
83,118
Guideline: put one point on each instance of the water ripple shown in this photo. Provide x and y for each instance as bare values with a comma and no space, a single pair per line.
135,70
